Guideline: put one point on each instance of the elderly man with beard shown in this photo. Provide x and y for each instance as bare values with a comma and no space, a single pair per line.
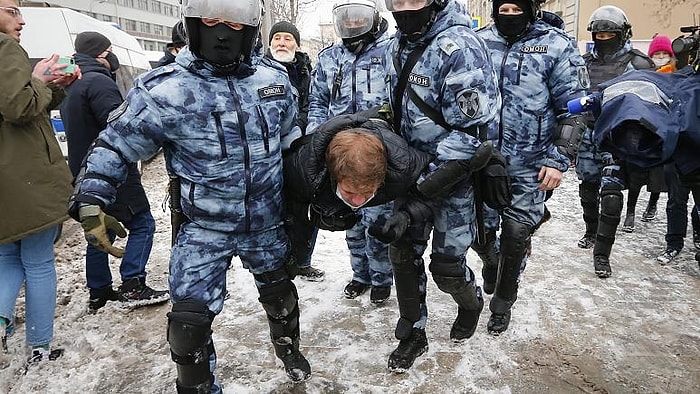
284,48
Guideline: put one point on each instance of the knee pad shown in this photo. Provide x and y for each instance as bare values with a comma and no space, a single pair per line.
610,202
445,265
279,299
514,238
189,336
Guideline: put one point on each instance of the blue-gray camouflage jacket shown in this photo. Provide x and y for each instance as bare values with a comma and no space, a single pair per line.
222,136
345,83
455,76
538,75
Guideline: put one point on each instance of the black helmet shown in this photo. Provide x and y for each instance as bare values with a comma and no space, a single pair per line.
610,19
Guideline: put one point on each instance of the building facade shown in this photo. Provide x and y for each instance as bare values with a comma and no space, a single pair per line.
648,17
150,21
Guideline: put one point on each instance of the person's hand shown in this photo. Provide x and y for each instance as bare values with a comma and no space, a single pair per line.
49,70
392,230
550,178
67,79
96,224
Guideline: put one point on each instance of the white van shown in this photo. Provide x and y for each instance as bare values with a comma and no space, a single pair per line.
52,30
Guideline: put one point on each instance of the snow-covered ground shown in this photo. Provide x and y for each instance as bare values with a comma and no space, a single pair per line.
638,331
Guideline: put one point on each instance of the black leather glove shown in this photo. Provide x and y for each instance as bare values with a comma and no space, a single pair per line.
339,221
392,229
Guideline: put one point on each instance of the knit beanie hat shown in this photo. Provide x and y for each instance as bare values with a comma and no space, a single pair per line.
91,43
178,36
285,27
660,43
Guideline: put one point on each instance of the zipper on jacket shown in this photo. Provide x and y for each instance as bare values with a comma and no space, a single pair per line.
354,85
190,195
369,79
265,129
539,127
220,133
500,88
520,66
246,153
337,83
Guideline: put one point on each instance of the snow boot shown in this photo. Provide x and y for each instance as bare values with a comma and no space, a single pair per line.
402,358
379,294
99,298
628,225
498,323
649,213
134,293
601,266
355,289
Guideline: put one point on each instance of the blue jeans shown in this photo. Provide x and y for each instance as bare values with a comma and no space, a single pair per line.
30,261
133,265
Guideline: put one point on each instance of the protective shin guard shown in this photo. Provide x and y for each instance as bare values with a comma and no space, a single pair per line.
408,295
588,192
280,302
489,257
451,277
189,336
610,212
514,240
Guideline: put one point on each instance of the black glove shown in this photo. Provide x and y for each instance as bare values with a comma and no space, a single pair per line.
339,221
493,183
392,229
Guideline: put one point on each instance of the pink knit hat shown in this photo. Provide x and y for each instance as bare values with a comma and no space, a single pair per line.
660,43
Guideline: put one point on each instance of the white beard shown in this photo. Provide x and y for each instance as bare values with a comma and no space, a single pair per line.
283,56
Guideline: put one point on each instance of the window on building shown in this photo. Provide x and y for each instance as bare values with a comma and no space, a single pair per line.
142,4
158,30
129,24
156,7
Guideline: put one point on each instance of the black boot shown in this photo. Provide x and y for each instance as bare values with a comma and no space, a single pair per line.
280,302
589,202
408,350
515,237
611,208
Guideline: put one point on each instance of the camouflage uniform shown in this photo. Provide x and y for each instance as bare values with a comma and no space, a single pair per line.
539,73
345,83
454,76
223,137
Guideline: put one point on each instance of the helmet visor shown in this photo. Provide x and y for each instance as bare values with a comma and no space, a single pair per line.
406,5
246,12
353,20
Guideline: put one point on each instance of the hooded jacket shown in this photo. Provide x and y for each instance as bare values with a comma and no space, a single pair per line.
308,183
538,74
84,113
454,76
34,177
223,136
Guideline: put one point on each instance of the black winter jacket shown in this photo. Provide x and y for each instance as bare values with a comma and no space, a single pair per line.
307,180
84,112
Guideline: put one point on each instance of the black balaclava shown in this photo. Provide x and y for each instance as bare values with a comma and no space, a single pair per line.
356,44
512,27
221,45
414,24
607,47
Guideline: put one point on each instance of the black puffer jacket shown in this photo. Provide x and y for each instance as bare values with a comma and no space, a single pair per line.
307,181
84,112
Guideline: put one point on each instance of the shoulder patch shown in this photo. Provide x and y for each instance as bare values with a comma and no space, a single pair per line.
375,60
447,45
117,112
469,103
535,49
420,80
271,91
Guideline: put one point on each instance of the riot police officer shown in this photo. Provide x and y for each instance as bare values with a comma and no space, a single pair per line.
223,122
349,77
444,97
530,55
611,56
